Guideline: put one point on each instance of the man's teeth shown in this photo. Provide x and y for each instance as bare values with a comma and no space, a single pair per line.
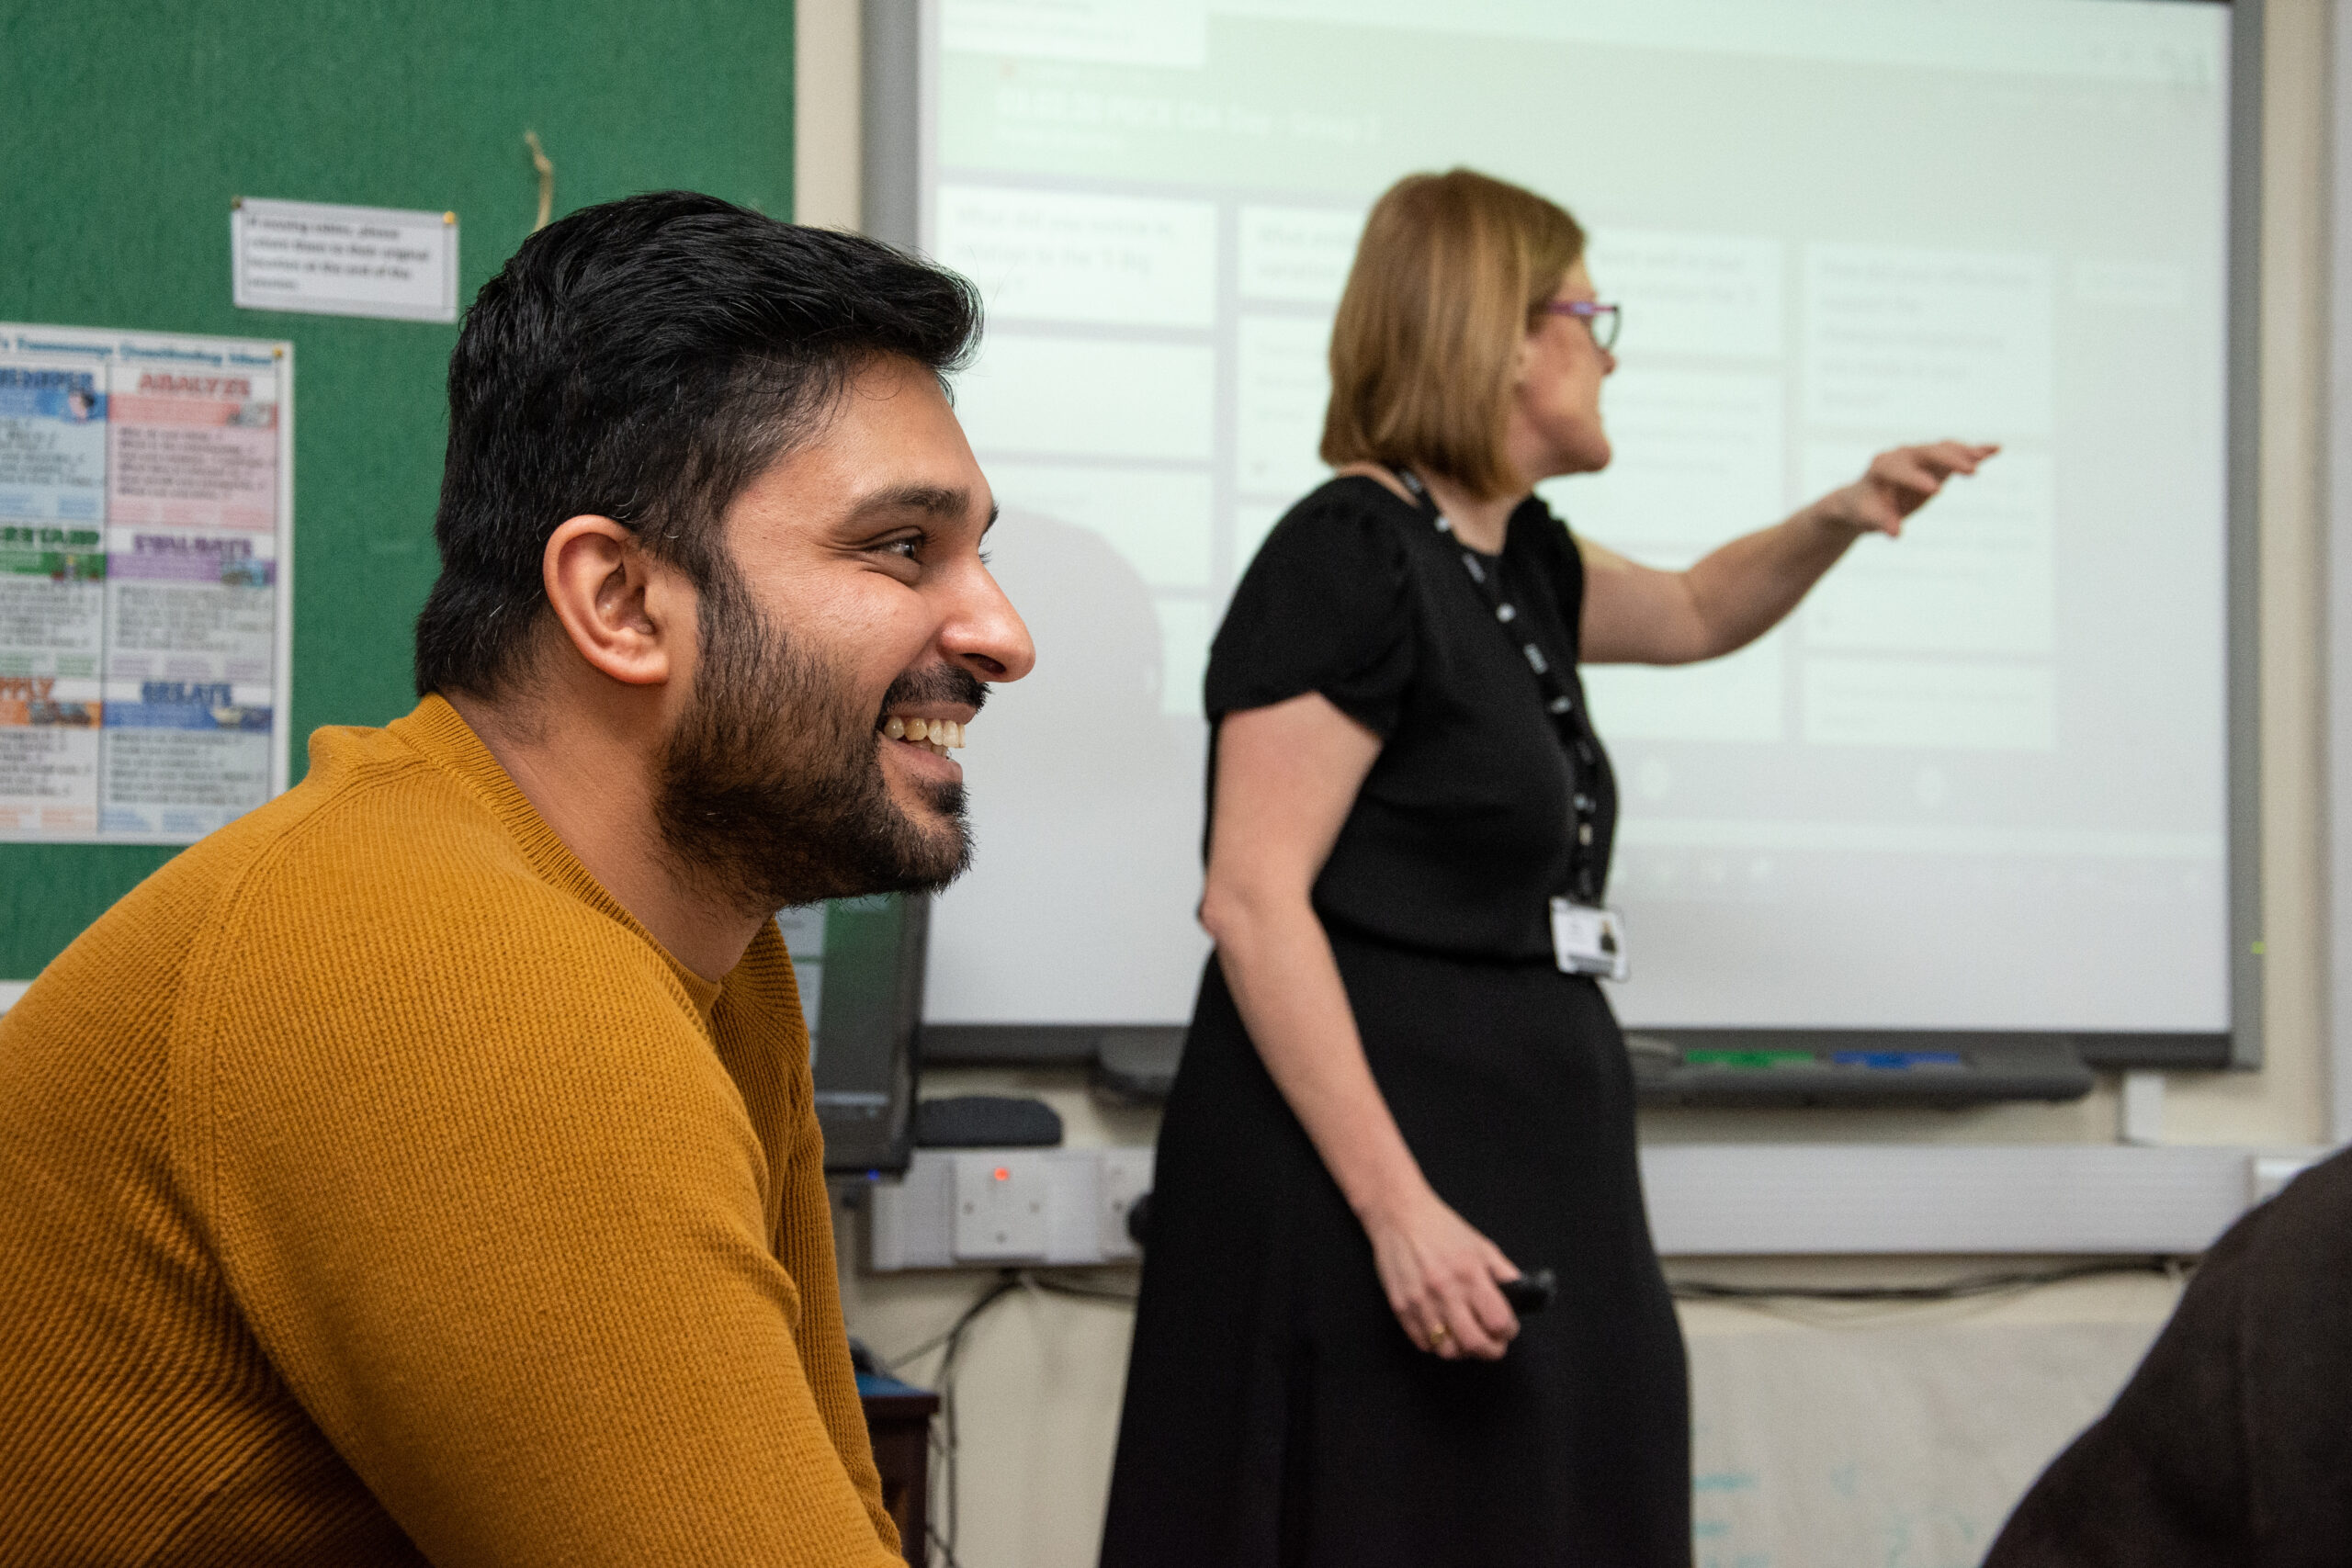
942,735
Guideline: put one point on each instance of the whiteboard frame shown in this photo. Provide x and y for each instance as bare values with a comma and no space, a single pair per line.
901,42
2244,459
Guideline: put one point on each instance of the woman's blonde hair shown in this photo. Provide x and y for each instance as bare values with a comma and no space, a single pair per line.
1449,272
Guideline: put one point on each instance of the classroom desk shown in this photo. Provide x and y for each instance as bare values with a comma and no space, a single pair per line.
898,1421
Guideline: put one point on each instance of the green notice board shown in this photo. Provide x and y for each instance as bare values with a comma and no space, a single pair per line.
129,129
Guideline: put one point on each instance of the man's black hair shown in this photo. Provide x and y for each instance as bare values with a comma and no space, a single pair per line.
645,360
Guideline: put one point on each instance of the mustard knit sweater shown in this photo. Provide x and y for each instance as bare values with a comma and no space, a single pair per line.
375,1190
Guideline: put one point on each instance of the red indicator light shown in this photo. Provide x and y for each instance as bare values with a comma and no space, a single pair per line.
1002,1174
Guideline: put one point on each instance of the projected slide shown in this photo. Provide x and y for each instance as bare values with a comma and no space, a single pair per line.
1976,782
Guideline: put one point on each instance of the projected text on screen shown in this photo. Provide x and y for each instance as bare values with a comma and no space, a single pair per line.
1992,748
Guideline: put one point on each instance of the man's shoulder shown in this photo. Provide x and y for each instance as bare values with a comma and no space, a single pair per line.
383,874
406,876
385,827
401,935
378,841
140,948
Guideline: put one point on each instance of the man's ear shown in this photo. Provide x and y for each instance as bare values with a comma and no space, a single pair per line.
620,609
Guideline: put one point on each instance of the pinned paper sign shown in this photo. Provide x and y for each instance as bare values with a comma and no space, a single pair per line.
344,261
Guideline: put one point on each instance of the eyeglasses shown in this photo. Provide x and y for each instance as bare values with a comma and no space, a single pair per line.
1602,321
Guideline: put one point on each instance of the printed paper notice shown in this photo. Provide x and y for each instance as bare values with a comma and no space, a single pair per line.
344,261
145,515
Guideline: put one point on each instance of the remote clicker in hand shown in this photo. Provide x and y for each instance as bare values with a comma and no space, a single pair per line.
1531,1292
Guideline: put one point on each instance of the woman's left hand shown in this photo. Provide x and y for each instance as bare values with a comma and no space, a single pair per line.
1898,483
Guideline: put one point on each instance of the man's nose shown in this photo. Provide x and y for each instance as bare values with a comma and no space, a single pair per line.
986,634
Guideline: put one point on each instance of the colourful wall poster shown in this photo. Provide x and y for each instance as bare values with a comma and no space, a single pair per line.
52,598
181,757
49,758
52,437
146,525
189,606
192,450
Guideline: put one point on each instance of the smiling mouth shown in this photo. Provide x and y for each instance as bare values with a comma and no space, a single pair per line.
940,735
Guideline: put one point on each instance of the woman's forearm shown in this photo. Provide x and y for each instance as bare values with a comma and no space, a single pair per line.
1278,964
1745,588
1638,615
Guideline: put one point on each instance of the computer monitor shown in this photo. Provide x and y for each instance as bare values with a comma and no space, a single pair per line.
860,966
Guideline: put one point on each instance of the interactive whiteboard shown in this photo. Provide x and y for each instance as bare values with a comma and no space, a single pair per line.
1980,781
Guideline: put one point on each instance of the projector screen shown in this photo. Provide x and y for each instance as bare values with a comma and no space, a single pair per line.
1980,780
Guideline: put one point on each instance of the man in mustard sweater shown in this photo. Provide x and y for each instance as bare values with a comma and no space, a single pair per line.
422,1168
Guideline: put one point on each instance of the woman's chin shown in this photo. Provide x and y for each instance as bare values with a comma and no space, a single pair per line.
1590,458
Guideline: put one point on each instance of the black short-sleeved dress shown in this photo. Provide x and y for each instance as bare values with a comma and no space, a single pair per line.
1276,1414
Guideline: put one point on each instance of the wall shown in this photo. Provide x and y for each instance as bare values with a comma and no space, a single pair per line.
1864,1428
826,152
144,122
2338,550
145,125
1792,1416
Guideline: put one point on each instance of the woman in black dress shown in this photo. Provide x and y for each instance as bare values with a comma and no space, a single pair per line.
1393,1096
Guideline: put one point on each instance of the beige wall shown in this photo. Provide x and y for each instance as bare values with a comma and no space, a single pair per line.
1040,1386
1041,1375
825,139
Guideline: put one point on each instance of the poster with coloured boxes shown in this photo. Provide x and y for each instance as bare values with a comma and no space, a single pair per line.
146,520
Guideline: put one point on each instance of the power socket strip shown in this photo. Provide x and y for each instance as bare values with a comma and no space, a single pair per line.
989,1208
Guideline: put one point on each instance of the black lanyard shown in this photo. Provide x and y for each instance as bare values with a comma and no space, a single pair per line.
1569,720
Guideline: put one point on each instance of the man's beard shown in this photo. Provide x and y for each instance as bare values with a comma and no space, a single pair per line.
770,790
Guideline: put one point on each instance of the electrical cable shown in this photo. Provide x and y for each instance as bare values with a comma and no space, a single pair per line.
949,1365
1060,1285
945,1442
952,1339
545,169
1965,1288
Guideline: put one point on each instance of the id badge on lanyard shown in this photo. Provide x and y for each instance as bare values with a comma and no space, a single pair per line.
1589,939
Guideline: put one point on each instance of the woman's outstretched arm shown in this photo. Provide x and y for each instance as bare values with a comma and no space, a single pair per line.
1638,615
1286,776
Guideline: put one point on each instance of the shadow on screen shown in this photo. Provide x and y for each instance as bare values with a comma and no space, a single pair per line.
1085,802
1095,698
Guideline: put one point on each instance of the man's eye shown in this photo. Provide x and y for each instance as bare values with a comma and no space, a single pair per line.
910,548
